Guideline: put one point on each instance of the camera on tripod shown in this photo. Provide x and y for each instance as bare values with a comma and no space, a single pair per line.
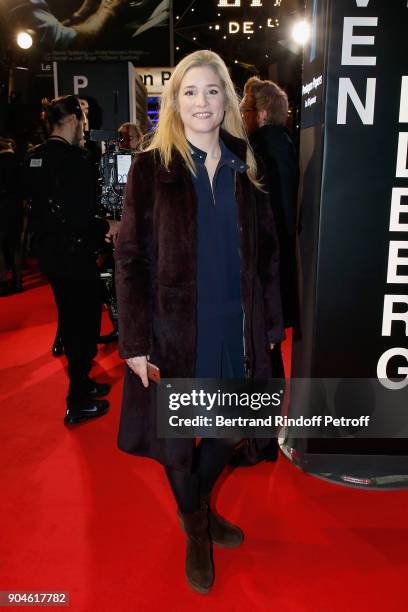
114,168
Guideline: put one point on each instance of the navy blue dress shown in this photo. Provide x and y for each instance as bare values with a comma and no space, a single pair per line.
220,331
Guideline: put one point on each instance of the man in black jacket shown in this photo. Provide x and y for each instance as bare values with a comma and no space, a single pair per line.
66,236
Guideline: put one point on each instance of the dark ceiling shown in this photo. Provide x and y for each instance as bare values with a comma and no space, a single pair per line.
251,35
242,30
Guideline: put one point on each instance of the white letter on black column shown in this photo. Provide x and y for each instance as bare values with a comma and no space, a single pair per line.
366,113
403,117
389,315
349,39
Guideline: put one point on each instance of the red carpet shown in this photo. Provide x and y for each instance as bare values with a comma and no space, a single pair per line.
77,515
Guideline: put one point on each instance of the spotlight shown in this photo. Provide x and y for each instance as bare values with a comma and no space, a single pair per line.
301,32
24,40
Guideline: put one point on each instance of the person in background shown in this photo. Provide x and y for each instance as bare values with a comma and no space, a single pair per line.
93,147
85,109
197,274
265,111
57,348
129,136
11,218
59,184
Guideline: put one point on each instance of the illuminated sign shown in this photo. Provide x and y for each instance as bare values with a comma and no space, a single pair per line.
155,79
261,15
237,3
247,27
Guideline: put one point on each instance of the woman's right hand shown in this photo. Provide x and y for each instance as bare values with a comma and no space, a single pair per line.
114,227
138,365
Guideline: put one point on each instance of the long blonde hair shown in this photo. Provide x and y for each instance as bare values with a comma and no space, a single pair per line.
169,133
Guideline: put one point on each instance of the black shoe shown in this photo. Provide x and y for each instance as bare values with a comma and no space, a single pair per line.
245,456
80,412
112,337
58,347
99,390
271,452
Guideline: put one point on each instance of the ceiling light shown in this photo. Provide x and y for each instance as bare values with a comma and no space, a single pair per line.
301,32
24,40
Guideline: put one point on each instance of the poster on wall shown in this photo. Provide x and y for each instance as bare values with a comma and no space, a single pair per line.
314,65
87,30
107,87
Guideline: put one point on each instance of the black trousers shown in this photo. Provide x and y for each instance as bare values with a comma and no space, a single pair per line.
78,300
210,458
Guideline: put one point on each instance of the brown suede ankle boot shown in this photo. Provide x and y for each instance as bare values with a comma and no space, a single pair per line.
199,563
222,532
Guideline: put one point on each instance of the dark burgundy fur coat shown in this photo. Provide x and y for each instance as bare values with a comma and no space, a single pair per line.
156,289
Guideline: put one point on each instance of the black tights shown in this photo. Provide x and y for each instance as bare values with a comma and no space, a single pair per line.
211,456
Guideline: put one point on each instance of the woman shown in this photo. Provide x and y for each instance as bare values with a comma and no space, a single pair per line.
264,109
129,136
193,272
268,136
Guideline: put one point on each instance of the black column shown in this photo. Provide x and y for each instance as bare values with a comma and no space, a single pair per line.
354,222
